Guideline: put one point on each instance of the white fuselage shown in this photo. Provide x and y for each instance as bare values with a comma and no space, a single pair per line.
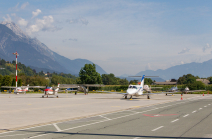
135,90
19,90
186,89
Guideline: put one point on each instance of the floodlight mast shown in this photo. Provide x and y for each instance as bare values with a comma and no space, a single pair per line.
16,67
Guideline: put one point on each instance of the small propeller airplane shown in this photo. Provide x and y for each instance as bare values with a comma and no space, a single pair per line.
80,87
18,90
54,90
186,90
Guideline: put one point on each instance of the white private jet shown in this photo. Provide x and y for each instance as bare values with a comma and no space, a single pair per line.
138,90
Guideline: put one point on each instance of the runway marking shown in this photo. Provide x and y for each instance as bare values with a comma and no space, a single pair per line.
157,128
55,125
200,108
186,115
158,115
194,111
136,138
136,106
174,121
105,117
194,98
209,104
205,106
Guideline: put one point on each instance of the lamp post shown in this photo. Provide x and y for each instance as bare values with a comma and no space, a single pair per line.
16,67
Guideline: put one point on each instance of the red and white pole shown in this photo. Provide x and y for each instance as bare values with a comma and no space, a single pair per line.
16,67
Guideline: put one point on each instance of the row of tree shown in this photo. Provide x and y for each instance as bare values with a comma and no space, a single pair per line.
87,75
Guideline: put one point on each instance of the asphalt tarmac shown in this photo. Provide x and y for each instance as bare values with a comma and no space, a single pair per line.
114,117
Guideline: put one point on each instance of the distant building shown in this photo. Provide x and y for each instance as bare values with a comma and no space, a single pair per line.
205,81
47,78
173,80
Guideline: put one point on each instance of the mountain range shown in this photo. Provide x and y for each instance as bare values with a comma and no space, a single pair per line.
202,70
35,54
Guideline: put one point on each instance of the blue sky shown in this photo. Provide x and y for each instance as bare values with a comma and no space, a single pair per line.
122,36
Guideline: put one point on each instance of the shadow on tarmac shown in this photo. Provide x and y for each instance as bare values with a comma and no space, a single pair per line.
109,135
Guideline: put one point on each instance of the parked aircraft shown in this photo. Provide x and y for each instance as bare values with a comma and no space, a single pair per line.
138,90
80,87
18,90
173,89
186,90
51,91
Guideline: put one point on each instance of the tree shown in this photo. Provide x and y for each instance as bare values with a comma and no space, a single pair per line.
88,75
19,82
13,82
187,79
123,82
148,81
134,82
210,79
6,80
1,78
196,86
109,79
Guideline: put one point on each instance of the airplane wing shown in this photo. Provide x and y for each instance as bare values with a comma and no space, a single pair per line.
93,85
68,90
190,91
33,86
8,87
77,85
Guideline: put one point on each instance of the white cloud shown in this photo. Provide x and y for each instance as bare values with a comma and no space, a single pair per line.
206,47
70,39
14,8
148,67
8,18
36,13
22,22
13,14
78,20
45,24
23,6
184,51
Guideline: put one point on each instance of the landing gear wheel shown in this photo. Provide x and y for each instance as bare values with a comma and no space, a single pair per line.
166,94
75,93
42,96
47,96
125,97
57,96
148,97
130,97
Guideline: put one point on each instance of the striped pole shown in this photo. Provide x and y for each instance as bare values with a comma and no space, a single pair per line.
16,67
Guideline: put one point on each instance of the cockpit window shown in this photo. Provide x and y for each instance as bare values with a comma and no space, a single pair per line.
130,86
135,87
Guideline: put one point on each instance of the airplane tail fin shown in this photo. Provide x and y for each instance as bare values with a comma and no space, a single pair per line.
57,87
27,87
142,81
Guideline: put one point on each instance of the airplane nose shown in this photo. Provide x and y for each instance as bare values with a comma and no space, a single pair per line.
130,92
